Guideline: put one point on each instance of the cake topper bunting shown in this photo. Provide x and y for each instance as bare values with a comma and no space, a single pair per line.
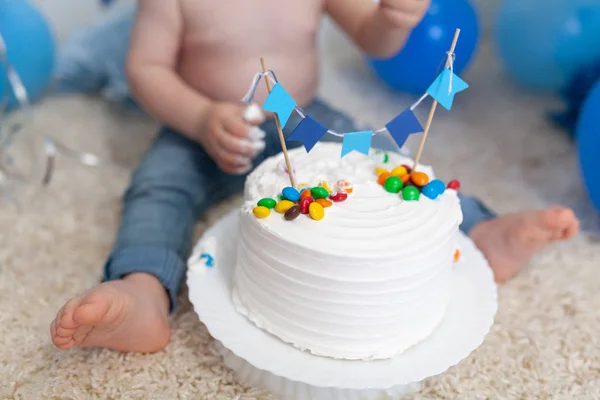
309,131
440,94
277,122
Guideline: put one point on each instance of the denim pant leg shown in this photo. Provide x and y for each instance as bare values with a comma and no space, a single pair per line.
174,185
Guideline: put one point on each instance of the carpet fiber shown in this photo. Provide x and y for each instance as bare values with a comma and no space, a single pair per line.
544,343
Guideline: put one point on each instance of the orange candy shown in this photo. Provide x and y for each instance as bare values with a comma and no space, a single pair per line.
419,178
379,171
305,193
383,177
324,202
344,186
405,178
456,255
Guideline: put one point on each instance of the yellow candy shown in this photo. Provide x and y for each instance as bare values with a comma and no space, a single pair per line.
325,186
399,171
315,210
283,206
261,212
379,171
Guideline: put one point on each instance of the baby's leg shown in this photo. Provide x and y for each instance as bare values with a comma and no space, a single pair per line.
509,241
175,183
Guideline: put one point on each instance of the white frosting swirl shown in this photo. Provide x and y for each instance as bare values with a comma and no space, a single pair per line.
367,282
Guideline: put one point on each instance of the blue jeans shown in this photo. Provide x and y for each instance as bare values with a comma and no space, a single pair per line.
177,182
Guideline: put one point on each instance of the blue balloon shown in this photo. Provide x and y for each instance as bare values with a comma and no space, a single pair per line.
29,45
415,67
588,144
543,43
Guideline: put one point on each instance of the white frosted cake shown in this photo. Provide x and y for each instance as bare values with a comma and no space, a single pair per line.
368,280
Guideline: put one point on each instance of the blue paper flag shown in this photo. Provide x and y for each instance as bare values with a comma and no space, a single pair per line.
308,132
403,125
357,141
441,91
279,101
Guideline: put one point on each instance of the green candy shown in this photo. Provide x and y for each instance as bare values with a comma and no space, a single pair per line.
410,193
319,193
383,156
393,184
267,202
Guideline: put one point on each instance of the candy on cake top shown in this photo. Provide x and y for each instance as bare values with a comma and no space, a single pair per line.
313,200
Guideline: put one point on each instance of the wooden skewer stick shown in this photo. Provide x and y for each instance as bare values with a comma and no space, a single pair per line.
278,124
433,107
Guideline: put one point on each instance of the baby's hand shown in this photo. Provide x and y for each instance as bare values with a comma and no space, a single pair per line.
227,137
404,13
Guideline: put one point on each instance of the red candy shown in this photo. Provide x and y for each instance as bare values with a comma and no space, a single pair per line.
454,184
304,203
339,196
408,168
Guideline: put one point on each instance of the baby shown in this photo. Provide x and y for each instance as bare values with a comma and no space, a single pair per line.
188,63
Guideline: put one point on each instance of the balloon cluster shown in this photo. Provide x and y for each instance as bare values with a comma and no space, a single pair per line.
414,67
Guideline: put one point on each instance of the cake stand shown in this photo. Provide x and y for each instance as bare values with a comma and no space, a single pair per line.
261,359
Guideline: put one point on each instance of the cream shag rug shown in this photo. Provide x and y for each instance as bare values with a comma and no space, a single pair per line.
545,342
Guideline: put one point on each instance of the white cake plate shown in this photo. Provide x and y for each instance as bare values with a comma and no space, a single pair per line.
262,359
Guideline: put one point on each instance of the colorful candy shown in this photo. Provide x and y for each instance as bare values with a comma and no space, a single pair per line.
429,191
304,203
410,193
381,156
283,167
454,185
405,178
383,177
408,168
344,186
316,212
379,171
338,196
290,193
324,202
283,206
393,184
419,178
433,189
319,193
400,171
305,193
261,212
456,255
292,213
267,202
325,186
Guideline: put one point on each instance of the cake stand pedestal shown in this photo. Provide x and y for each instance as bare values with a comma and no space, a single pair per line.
261,359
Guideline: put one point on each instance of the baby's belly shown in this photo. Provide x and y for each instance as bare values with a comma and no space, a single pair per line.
227,77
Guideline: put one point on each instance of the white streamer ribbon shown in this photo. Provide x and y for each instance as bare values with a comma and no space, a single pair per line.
451,57
52,146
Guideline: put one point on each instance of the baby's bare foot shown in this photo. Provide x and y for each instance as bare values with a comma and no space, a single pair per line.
508,242
126,315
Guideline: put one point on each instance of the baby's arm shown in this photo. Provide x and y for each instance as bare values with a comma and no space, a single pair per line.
152,67
378,29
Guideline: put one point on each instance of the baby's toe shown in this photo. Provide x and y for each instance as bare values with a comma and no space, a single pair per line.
556,218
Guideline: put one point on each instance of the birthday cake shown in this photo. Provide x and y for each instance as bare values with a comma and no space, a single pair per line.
353,263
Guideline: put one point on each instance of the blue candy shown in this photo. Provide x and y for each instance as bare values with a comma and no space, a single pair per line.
291,194
433,189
